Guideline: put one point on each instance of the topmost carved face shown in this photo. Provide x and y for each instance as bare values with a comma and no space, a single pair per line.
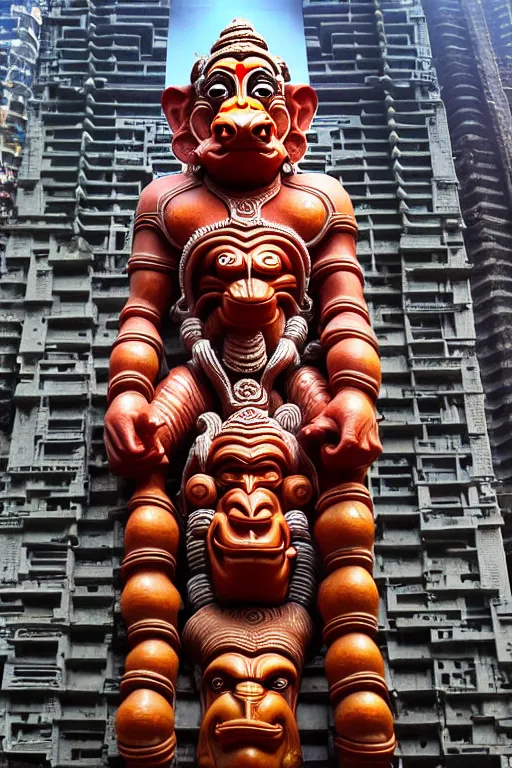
240,122
249,124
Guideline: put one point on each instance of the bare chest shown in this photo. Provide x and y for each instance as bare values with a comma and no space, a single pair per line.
301,211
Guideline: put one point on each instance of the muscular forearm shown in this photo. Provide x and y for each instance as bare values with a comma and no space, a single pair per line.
179,400
352,354
138,349
346,334
307,388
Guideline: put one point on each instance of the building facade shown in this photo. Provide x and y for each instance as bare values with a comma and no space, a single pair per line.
94,136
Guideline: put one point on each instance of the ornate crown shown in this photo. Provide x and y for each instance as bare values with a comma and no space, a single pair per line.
239,40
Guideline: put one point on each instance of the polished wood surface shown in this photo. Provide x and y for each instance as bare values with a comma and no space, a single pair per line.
257,264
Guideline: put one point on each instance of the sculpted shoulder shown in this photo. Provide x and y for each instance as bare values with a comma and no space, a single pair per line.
330,187
151,195
176,206
309,201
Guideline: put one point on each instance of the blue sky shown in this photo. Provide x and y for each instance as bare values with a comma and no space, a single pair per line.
194,25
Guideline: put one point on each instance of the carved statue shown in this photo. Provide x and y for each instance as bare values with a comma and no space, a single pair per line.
254,261
257,531
251,660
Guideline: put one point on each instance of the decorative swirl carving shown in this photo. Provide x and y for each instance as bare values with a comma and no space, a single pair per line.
285,629
200,592
289,416
304,578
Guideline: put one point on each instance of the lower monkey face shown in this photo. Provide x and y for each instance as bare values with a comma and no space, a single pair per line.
249,723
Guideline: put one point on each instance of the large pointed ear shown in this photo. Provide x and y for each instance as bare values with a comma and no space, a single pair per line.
301,102
177,104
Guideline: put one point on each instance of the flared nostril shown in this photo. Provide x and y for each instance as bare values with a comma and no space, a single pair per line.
239,511
224,131
262,131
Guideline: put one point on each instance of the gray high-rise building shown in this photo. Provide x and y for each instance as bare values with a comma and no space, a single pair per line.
81,134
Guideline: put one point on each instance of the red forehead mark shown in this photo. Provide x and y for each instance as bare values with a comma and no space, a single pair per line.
240,71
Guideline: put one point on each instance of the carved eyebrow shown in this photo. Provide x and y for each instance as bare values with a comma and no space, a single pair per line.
266,669
257,462
216,71
232,668
262,71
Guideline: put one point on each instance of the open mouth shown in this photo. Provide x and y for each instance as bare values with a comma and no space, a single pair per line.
244,731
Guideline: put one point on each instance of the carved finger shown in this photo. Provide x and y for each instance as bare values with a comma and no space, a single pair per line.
147,423
159,451
124,438
316,433
114,459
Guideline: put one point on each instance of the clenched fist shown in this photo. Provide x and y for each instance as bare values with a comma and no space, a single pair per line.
131,438
345,433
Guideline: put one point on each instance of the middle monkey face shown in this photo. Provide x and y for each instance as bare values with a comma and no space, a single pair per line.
248,539
247,492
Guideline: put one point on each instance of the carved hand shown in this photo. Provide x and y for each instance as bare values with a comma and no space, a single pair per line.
345,432
131,440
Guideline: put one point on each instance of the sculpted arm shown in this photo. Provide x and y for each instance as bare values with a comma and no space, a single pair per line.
346,429
137,351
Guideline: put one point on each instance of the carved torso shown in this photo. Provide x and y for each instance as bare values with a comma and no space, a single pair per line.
183,204
244,266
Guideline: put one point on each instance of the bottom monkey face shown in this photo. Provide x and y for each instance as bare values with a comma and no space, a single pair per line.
249,720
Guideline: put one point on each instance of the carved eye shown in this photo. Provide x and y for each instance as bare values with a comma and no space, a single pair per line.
271,260
227,477
218,684
271,476
218,91
227,260
268,261
280,684
262,90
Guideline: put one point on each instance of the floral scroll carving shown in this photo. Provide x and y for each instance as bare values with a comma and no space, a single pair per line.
256,263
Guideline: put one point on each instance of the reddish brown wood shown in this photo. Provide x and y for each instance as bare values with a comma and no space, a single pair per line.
149,604
348,601
245,252
251,662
